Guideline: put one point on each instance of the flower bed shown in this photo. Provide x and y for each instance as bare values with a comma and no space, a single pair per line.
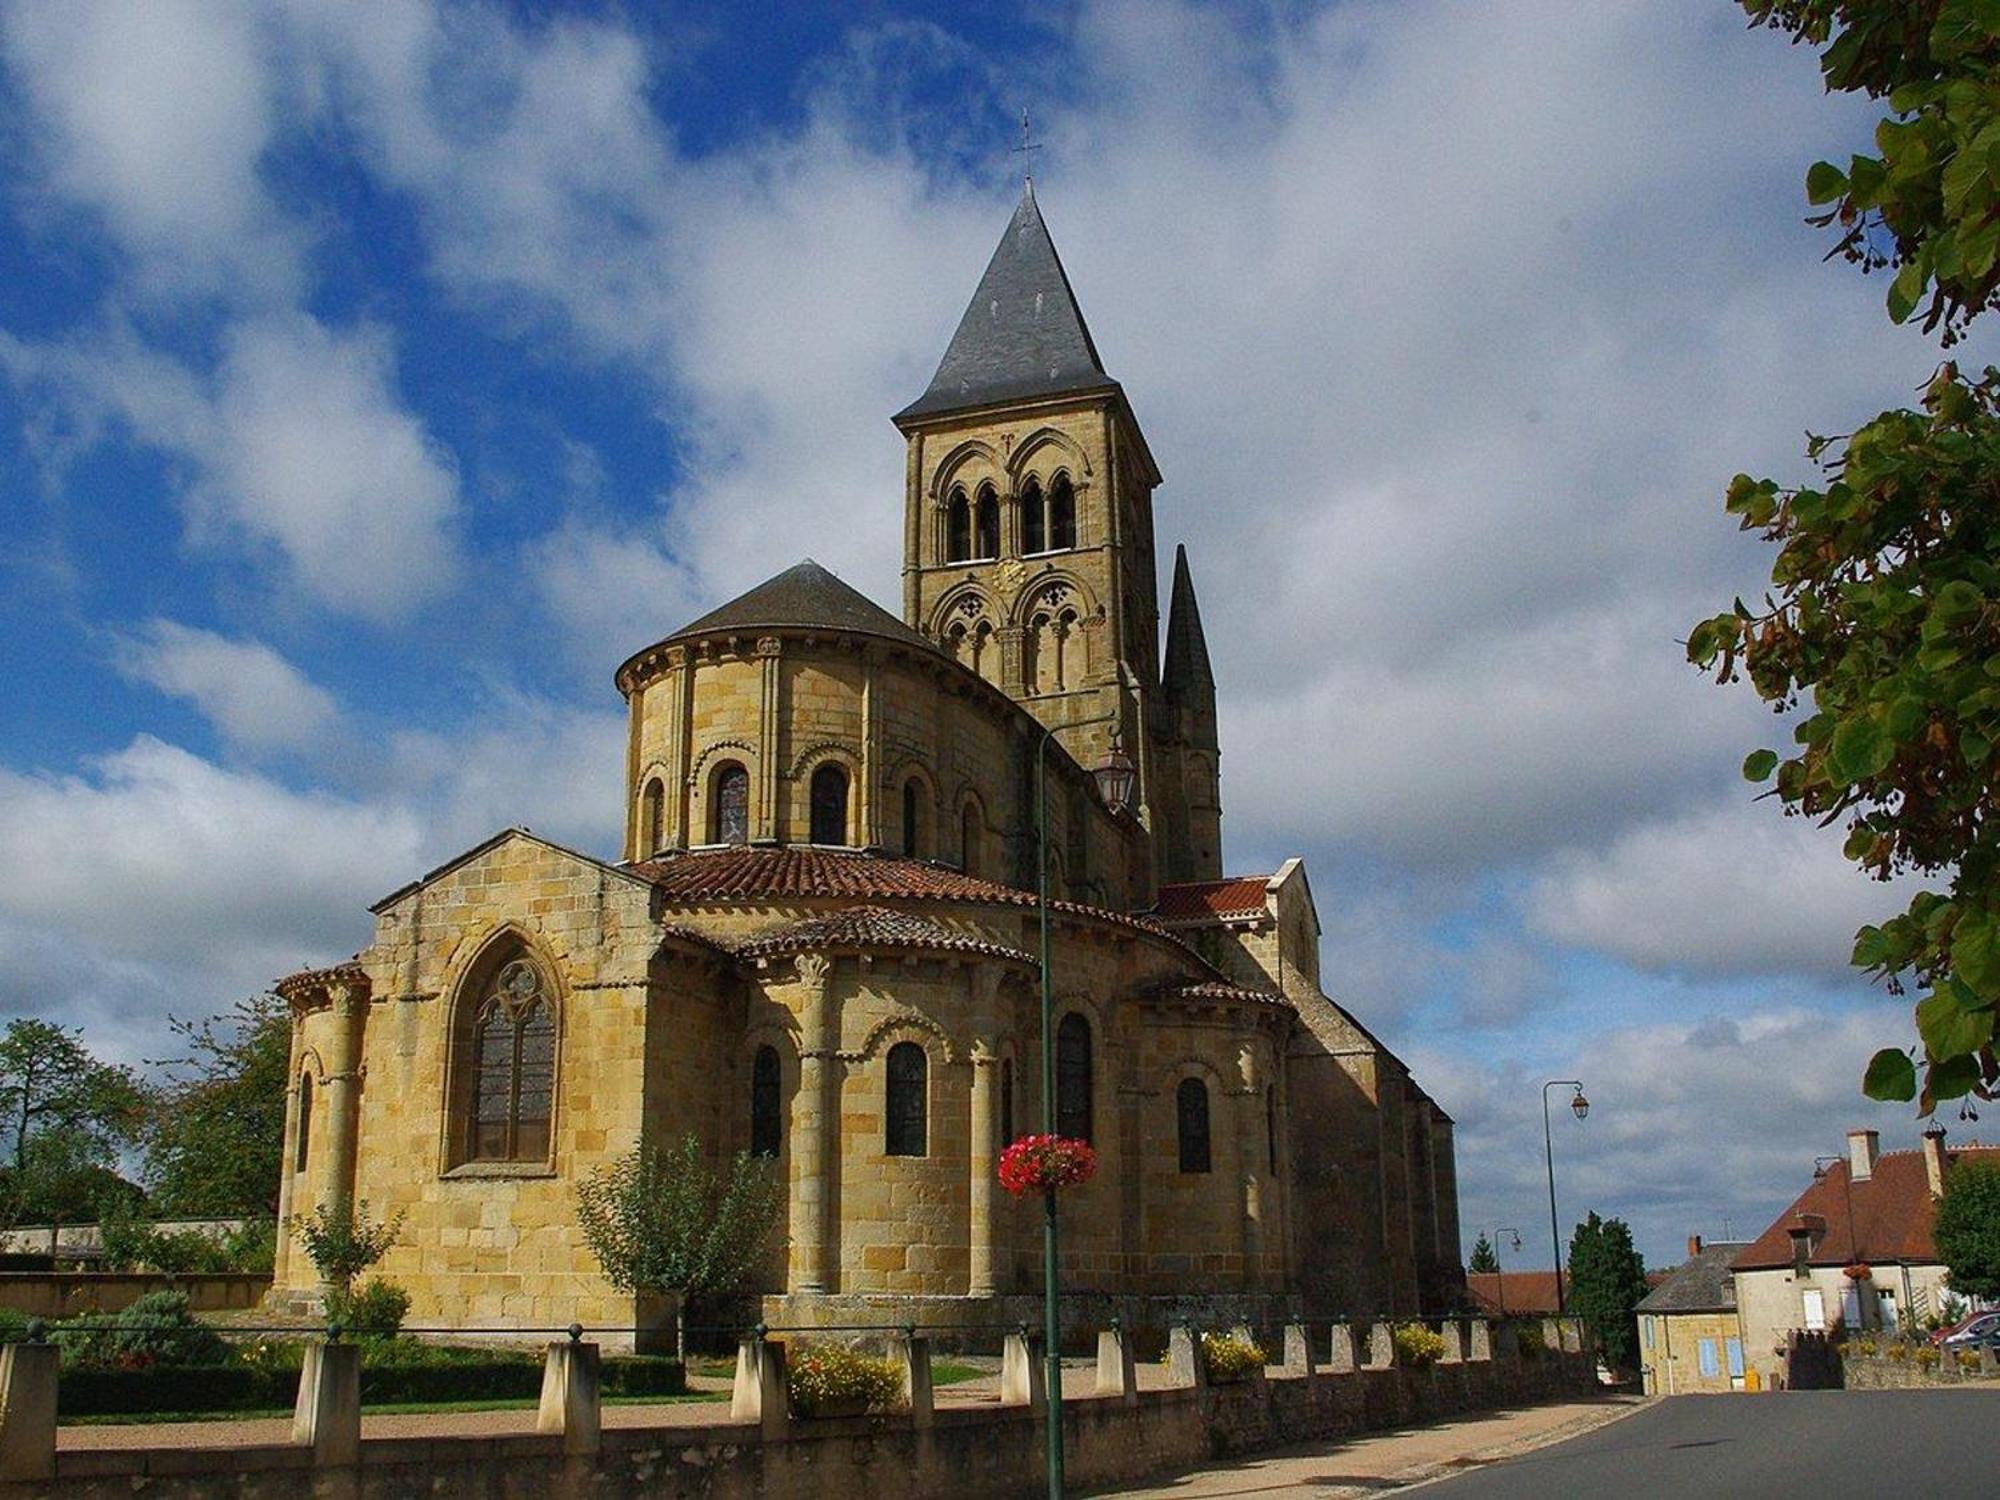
1416,1345
1231,1357
829,1379
1041,1163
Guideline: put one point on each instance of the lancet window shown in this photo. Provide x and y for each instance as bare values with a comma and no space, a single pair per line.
730,821
958,528
766,1103
1062,514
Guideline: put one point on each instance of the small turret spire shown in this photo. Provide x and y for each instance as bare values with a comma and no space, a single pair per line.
1186,670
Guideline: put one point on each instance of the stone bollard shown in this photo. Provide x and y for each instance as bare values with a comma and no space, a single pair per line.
28,1411
914,1350
1023,1379
760,1394
327,1418
570,1396
1117,1370
1572,1335
1298,1350
1381,1346
1340,1355
1479,1344
1453,1333
1186,1368
1552,1335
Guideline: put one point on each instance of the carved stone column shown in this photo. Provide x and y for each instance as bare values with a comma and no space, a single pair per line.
815,1132
985,1131
348,991
1250,1142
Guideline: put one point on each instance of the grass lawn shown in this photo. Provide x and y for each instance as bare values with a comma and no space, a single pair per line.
513,1403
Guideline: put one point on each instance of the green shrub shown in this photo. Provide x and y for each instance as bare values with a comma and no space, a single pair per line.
1231,1356
825,1374
1528,1334
374,1311
152,1389
13,1326
158,1329
1416,1345
1899,1351
253,1246
645,1375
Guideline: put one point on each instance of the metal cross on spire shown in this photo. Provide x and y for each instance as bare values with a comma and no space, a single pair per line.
1026,149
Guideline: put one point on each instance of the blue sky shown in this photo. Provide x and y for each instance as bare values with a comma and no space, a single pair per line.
374,379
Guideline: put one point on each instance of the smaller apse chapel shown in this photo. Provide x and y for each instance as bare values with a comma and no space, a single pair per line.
816,944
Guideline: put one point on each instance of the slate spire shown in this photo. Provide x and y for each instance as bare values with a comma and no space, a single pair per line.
1185,674
1022,335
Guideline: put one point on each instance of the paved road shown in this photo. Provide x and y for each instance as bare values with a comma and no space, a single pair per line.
1826,1445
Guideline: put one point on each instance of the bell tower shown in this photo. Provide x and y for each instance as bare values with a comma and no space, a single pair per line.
1028,512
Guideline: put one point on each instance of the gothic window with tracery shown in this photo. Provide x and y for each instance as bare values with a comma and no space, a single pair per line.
1034,519
907,1067
730,823
1073,1077
513,1058
829,804
766,1103
957,528
1062,514
1191,1110
987,523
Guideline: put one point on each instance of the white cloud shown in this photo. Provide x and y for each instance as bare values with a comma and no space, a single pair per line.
1694,1126
157,117
301,447
250,692
1732,889
196,883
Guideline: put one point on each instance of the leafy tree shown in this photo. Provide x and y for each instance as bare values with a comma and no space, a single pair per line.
1967,1229
1606,1280
1884,611
342,1241
64,1117
1484,1262
217,1136
661,1220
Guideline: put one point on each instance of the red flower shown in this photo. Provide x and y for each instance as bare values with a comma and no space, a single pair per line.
1038,1163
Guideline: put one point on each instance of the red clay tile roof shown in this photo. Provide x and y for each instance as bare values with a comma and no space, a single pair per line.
1201,900
1891,1219
1211,991
1513,1292
872,927
749,873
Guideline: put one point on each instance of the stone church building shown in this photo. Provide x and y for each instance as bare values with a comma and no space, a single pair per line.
818,945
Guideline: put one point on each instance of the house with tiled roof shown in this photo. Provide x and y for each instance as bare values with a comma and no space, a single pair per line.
1853,1251
1689,1337
822,942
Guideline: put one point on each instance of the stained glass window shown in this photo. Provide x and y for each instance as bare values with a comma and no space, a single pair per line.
907,1067
829,805
514,1069
1191,1108
732,805
1073,1077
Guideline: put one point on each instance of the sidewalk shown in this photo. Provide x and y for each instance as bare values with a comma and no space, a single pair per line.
1392,1460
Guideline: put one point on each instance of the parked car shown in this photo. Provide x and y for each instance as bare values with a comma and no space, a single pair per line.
1971,1333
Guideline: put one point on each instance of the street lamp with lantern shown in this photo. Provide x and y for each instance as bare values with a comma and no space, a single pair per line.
1115,775
1580,1107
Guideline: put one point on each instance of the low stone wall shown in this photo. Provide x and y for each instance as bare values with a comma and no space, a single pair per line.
977,1324
1880,1372
67,1294
965,1452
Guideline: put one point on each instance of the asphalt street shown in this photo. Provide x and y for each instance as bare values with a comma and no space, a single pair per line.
1828,1445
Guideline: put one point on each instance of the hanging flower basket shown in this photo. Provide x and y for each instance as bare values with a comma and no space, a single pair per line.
1858,1272
1040,1163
